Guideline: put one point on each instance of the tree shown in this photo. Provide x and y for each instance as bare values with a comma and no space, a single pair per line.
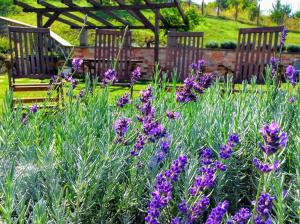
243,4
297,14
221,4
280,12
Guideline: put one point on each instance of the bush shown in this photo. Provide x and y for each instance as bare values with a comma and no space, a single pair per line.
228,45
4,45
293,48
212,45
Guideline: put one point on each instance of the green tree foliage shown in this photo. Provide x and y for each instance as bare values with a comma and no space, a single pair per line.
221,4
297,14
280,12
6,6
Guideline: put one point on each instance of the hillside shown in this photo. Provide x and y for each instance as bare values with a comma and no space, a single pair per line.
215,28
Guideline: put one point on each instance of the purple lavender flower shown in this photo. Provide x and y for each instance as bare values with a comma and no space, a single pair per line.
121,126
266,168
24,119
125,99
274,140
175,220
291,75
138,146
76,63
109,77
241,217
292,100
198,67
172,115
146,95
204,181
136,74
165,146
82,93
162,191
33,108
273,64
198,208
217,213
220,166
204,82
227,149
74,83
206,156
183,207
263,209
284,34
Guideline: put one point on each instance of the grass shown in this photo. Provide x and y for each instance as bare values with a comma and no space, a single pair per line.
66,166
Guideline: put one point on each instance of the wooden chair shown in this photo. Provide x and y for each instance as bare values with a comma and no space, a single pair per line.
32,57
113,47
255,48
183,49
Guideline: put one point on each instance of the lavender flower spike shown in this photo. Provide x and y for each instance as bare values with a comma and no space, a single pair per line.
125,99
136,74
284,34
33,108
121,126
217,213
274,140
241,217
291,75
109,77
76,63
263,209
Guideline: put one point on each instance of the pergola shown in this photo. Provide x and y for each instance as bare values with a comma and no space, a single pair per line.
104,14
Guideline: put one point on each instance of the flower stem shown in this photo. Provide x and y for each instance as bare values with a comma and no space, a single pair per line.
256,198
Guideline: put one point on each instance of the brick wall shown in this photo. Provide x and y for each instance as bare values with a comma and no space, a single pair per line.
215,58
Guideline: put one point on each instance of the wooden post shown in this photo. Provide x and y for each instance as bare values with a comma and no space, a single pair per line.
39,18
84,37
258,15
202,7
156,38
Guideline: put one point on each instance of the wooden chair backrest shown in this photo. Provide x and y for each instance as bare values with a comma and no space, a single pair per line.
255,48
183,49
113,46
32,54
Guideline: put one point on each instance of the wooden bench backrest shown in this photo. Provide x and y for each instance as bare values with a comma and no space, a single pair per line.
109,44
255,48
183,49
32,54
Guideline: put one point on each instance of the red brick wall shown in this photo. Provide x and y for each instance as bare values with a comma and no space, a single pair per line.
213,58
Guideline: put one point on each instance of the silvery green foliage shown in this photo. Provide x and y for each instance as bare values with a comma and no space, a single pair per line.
65,167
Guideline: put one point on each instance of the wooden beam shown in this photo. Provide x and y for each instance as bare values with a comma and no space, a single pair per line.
51,20
156,39
67,14
181,12
39,17
111,14
86,9
138,15
132,27
90,14
65,21
165,22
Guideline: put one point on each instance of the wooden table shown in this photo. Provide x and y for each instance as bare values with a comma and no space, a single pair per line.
89,62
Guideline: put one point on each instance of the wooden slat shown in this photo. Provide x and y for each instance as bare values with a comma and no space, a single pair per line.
183,49
35,100
256,52
107,46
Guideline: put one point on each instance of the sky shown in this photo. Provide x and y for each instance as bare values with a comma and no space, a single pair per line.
266,5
